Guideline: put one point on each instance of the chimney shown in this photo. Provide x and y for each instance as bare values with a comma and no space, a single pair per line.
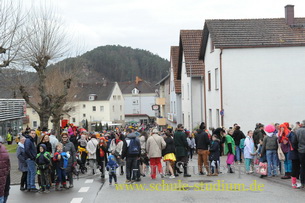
289,14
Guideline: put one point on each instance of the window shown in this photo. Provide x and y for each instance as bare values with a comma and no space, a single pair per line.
189,121
101,108
209,81
84,106
121,117
93,108
135,91
217,118
135,102
34,124
113,108
33,111
121,108
84,115
216,79
73,109
114,97
73,120
119,97
134,111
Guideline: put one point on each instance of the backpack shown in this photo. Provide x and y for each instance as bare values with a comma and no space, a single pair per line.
65,158
242,143
134,147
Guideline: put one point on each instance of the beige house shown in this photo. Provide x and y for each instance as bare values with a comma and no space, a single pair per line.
97,103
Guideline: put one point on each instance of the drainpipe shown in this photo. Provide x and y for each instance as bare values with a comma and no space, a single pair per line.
201,100
221,92
205,99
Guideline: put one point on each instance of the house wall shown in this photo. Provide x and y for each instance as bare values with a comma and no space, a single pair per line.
186,96
116,103
174,103
34,121
140,104
192,99
213,95
263,85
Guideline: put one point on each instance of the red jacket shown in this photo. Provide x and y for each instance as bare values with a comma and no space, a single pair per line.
4,168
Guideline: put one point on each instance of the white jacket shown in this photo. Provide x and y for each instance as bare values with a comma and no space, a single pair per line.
91,148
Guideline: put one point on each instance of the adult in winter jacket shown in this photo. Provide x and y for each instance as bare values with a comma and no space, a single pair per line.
4,168
69,148
299,142
132,151
116,147
258,134
202,145
144,161
22,166
30,155
181,149
91,148
270,145
101,155
169,154
46,141
154,146
237,136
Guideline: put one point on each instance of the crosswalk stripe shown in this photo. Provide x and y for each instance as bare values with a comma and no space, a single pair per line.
84,189
77,200
89,181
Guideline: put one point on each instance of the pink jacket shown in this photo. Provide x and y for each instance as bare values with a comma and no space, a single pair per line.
4,167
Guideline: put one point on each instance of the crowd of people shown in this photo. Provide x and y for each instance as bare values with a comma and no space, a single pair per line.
141,151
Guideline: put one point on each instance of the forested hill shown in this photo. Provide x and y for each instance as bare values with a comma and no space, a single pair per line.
117,63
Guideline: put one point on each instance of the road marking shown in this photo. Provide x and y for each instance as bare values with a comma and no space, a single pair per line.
77,200
89,181
84,189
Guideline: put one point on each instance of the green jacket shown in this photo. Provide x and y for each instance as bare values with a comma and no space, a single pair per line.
180,143
229,140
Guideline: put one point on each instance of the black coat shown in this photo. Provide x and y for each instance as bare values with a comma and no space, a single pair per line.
237,136
170,146
202,140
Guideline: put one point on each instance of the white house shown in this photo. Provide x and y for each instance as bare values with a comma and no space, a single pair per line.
97,103
255,70
175,114
139,96
191,74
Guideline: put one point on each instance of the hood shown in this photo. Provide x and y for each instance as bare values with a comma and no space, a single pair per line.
20,144
43,146
131,135
269,134
111,160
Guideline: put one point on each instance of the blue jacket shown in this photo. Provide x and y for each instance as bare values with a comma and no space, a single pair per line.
30,148
22,166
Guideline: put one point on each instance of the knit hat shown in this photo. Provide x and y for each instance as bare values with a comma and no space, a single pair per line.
269,129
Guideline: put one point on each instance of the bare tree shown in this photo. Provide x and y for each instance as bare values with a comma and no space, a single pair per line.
11,22
46,42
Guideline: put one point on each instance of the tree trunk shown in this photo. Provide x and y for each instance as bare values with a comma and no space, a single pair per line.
44,121
56,126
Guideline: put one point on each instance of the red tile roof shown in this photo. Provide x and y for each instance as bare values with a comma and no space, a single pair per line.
174,57
190,42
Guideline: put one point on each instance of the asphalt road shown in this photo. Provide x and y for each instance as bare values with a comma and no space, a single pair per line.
91,189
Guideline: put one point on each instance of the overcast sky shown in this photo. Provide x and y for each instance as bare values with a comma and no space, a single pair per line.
155,25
